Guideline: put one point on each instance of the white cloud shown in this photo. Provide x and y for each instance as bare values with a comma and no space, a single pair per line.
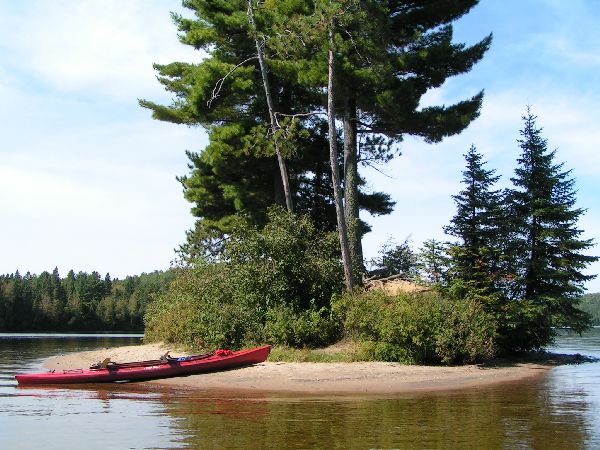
96,46
93,195
87,178
90,215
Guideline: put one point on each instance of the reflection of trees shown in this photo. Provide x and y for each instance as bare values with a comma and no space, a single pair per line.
509,416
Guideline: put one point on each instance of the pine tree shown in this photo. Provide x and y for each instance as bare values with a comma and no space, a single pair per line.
478,226
389,54
237,172
414,53
546,246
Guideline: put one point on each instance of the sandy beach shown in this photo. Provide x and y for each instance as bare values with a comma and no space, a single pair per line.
357,378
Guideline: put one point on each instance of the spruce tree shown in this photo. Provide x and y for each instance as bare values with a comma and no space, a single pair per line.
434,262
547,247
477,225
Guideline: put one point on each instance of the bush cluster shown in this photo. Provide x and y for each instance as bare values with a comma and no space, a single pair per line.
283,284
416,328
269,285
309,328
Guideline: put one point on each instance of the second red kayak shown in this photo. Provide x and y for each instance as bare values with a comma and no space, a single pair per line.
147,370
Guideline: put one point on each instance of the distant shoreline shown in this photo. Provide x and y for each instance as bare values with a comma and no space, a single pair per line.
357,378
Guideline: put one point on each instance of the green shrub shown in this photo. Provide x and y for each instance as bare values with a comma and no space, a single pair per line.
288,262
273,285
524,326
386,351
468,333
308,328
417,328
203,309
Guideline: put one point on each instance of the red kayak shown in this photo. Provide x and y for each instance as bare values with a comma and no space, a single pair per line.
164,367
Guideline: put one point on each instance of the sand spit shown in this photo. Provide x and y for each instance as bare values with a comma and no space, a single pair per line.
357,378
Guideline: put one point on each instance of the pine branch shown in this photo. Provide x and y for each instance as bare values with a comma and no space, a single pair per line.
219,84
295,116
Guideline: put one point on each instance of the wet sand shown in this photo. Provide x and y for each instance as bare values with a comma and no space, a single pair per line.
356,378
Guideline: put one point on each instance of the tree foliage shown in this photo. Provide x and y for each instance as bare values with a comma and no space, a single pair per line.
387,55
545,248
520,252
78,302
428,265
237,172
434,263
590,303
273,71
546,242
393,259
517,253
478,225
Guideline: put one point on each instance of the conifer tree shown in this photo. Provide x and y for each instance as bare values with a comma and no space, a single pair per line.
546,247
396,259
235,172
414,53
225,93
3,308
333,155
433,262
477,225
389,54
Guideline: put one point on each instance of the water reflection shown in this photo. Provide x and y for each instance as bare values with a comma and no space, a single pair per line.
559,411
512,416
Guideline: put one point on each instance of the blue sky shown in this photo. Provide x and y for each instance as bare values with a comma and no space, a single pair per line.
87,178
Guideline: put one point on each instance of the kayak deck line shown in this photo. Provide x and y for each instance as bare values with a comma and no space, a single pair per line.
166,358
165,367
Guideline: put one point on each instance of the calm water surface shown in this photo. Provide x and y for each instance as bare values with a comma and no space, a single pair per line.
559,411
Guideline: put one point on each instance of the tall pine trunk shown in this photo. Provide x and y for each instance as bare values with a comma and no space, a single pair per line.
351,186
278,190
271,106
333,159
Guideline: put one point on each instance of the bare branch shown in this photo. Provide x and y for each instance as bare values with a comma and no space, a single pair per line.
219,84
368,163
366,60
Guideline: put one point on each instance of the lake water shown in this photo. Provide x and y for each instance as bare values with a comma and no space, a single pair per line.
559,411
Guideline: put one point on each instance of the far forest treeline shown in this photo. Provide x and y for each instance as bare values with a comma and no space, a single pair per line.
590,303
78,302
